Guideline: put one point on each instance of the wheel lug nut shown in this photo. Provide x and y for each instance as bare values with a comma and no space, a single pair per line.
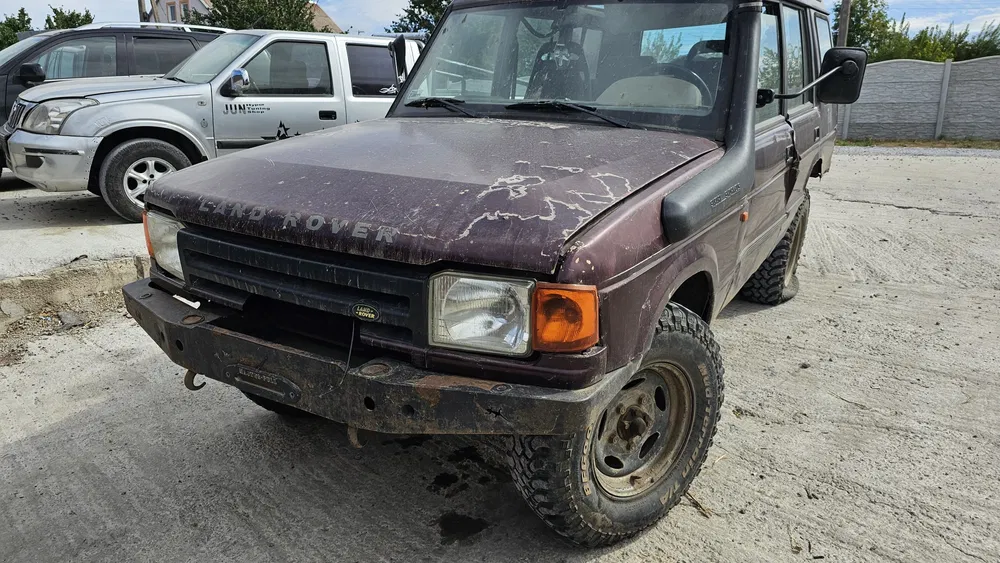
621,409
642,400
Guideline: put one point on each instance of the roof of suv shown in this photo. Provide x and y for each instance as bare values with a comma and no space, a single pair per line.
816,5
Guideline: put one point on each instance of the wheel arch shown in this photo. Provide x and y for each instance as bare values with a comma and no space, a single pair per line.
696,294
177,137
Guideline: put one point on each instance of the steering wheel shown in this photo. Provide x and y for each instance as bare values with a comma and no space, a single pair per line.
679,72
703,48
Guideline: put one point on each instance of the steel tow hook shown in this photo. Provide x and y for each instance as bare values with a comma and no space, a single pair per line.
189,381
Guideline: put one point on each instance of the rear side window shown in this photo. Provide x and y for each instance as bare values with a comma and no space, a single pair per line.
824,37
157,55
795,60
770,61
291,68
373,72
81,58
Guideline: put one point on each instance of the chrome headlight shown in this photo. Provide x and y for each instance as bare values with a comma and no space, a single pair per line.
161,241
48,117
481,314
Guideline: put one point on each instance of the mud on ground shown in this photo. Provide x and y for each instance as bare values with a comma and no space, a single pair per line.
861,424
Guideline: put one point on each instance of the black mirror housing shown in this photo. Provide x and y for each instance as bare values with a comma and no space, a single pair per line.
398,50
842,87
31,73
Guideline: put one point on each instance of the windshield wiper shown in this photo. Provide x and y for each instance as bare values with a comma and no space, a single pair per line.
452,104
175,79
561,105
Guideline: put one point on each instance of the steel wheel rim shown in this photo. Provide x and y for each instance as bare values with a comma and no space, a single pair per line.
632,459
794,252
141,174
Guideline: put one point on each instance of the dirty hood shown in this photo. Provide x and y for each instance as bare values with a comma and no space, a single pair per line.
86,87
498,193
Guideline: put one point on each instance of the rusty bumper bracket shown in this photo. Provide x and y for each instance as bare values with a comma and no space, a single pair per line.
381,395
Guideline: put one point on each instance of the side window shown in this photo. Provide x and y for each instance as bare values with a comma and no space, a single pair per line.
81,58
157,55
795,60
770,61
291,68
824,36
372,70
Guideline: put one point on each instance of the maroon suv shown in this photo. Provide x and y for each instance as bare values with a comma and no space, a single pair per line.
532,244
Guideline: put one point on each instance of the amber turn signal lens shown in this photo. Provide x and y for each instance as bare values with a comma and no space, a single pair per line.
565,317
145,231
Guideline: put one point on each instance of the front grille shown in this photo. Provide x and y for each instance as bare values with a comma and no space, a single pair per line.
346,286
17,114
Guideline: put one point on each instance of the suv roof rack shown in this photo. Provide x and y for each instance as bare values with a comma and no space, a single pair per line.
180,26
408,35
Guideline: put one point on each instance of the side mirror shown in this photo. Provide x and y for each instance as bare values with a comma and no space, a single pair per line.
398,50
31,73
238,82
842,87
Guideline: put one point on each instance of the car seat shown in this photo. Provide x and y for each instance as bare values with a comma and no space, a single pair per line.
560,71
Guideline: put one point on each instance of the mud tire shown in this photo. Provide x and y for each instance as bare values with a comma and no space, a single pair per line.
278,408
557,477
772,284
116,164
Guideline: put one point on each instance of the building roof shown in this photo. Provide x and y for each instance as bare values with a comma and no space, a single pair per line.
321,20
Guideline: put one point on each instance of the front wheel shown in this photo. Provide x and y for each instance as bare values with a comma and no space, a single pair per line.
131,167
640,454
776,281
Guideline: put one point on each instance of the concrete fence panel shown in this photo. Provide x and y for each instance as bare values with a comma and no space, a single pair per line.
904,99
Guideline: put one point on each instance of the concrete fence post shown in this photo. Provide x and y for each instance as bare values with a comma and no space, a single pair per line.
945,79
847,122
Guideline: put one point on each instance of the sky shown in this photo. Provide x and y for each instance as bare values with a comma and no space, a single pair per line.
371,16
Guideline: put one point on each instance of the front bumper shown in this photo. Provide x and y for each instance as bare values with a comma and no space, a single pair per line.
54,163
382,395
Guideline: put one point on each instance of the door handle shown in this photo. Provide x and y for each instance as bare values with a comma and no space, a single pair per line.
816,134
328,115
789,154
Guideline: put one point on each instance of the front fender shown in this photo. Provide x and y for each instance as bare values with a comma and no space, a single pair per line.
181,115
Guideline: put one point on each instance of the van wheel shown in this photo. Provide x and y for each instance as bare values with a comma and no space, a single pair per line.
776,280
640,454
129,169
276,407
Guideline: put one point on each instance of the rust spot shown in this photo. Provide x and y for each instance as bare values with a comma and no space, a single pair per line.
375,370
192,319
430,396
447,381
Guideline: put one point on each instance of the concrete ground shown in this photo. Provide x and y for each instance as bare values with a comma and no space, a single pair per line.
861,423
40,230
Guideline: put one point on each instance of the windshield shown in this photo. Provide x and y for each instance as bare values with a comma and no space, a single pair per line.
210,60
654,64
21,46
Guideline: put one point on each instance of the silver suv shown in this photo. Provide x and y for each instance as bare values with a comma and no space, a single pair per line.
114,136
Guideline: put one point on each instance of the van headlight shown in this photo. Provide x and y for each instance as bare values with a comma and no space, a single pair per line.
481,314
47,118
161,241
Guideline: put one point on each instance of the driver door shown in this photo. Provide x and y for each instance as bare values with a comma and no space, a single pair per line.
293,90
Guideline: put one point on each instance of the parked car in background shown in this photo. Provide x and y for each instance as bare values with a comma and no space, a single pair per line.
115,136
97,50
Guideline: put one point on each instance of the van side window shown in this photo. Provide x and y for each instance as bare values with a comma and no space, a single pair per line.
157,55
291,68
795,61
81,58
373,72
824,36
770,61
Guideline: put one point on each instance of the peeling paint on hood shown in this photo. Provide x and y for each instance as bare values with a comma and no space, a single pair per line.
492,192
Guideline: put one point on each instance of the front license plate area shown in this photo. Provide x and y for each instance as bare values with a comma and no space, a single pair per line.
263,384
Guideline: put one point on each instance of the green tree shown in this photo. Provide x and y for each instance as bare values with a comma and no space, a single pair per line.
986,43
12,25
870,25
67,19
419,17
657,46
289,15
